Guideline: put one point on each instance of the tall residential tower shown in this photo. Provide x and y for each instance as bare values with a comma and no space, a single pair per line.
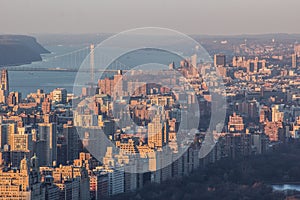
4,88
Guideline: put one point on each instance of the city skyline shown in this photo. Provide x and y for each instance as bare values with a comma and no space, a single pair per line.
143,100
62,145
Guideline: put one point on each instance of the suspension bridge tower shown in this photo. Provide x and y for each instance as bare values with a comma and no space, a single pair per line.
92,62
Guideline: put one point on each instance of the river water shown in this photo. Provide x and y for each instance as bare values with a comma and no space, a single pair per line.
29,81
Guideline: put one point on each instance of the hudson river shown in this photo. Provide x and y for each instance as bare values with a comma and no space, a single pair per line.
29,81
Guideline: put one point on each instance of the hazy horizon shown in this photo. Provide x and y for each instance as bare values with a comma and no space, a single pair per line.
193,17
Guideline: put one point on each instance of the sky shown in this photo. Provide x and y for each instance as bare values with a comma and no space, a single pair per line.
212,17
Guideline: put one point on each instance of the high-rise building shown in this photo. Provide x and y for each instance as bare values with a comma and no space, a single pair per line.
155,132
84,192
22,183
276,114
4,81
3,135
61,150
13,98
294,60
72,141
11,129
47,142
118,84
16,157
69,189
99,185
84,160
265,114
235,123
2,96
4,87
59,95
46,106
219,60
115,181
297,50
255,65
106,86
220,63
21,142
257,144
112,86
51,190
72,181
62,172
194,60
272,130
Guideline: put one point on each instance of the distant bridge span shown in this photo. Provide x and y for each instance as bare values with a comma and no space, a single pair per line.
70,62
23,69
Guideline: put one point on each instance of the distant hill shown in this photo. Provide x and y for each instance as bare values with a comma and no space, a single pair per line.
19,49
